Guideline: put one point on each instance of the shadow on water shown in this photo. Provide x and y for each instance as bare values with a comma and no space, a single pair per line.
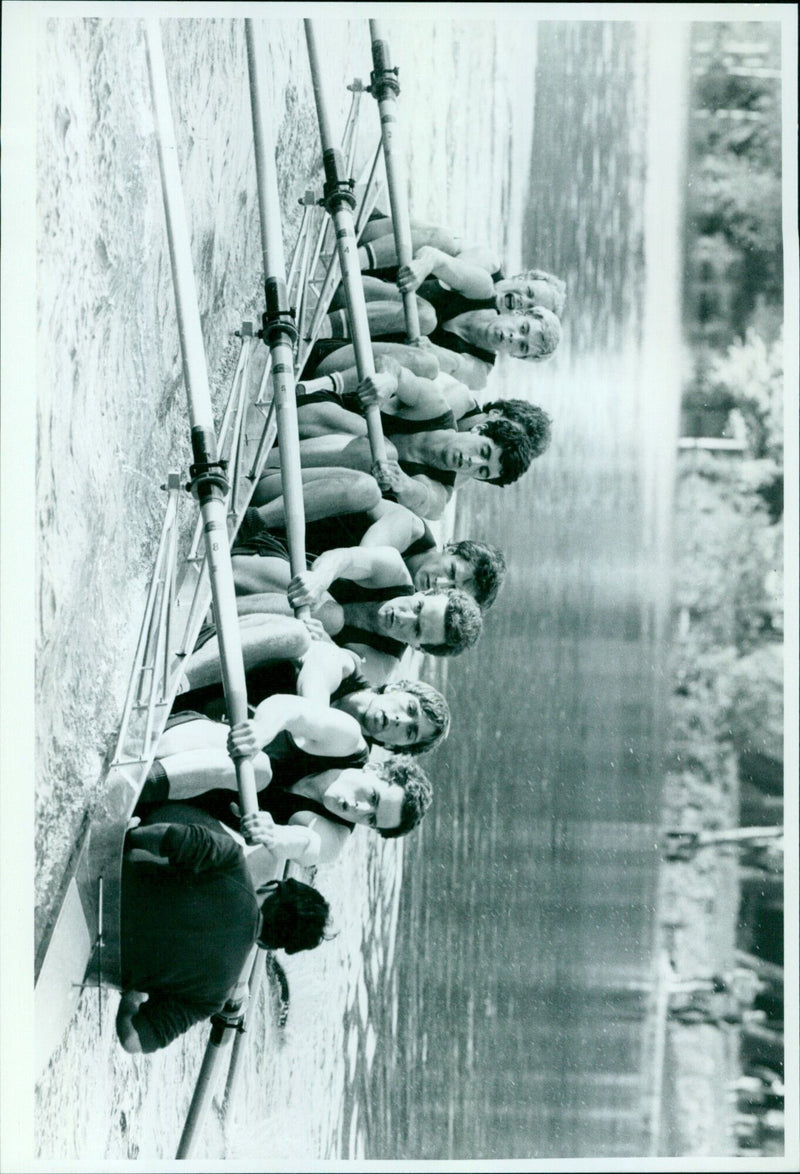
526,937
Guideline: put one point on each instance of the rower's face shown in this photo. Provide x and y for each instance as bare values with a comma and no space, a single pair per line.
517,335
515,294
360,796
472,455
395,718
440,570
414,619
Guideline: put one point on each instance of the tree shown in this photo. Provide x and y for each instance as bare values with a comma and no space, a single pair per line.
751,371
743,202
756,706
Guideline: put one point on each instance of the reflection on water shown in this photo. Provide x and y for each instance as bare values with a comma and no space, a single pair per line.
525,945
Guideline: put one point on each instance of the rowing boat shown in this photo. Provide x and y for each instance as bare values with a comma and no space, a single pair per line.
78,955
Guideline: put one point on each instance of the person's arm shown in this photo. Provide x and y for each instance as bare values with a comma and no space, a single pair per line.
127,1034
418,398
467,369
421,494
400,392
328,838
458,396
377,667
146,1024
308,839
462,276
420,358
429,496
322,670
314,728
393,525
375,566
481,255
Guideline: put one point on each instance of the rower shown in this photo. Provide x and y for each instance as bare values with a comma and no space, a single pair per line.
459,301
190,916
372,608
408,402
423,466
474,567
302,817
440,254
405,716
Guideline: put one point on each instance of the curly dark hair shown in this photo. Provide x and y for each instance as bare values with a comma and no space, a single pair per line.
463,624
406,773
488,568
538,425
432,704
517,451
294,917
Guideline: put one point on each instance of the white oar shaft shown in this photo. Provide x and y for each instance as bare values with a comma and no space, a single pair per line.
283,380
257,975
385,89
189,328
210,491
217,1052
341,210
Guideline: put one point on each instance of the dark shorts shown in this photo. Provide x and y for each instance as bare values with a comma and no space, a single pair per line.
180,719
320,350
206,633
254,538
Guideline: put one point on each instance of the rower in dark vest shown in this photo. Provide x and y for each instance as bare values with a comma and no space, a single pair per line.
365,600
307,819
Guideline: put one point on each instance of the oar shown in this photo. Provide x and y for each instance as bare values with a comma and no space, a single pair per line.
279,331
208,480
223,1026
237,1054
339,201
384,88
210,485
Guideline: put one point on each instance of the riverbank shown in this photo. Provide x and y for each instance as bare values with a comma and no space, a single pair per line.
725,614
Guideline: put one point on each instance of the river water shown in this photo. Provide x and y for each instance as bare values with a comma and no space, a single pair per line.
483,996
